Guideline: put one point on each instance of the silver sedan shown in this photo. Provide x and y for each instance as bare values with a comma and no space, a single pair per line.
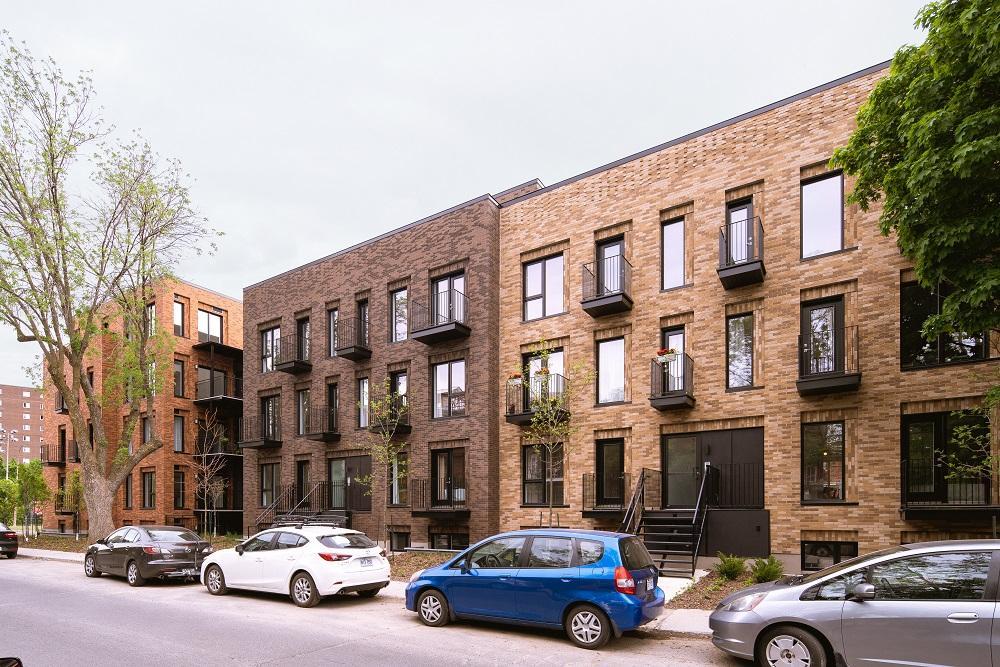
917,604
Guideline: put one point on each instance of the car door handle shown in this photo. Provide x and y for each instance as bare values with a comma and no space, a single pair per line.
565,580
963,617
504,578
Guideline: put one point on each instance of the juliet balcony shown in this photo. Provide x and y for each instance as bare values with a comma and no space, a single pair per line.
352,339
54,455
526,396
323,425
292,355
829,362
261,432
671,385
446,318
741,253
607,286
440,497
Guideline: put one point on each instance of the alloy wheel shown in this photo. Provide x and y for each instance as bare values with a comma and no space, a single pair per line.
88,566
302,590
787,651
133,572
430,609
586,627
214,580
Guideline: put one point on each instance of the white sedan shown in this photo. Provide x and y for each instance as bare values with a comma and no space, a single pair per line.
304,561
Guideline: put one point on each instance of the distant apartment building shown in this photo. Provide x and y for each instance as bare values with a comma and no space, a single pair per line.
22,423
200,404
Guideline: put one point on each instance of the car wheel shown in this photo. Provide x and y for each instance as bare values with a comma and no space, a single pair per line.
303,590
432,607
12,554
132,574
370,593
588,627
789,646
215,581
90,567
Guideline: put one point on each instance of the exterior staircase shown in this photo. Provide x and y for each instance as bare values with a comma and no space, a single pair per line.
313,507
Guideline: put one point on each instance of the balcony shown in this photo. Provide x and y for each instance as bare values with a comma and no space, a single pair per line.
323,426
741,253
442,498
72,452
446,318
61,408
829,364
606,495
671,384
221,392
292,355
526,396
260,433
214,347
396,420
607,286
54,455
930,490
352,339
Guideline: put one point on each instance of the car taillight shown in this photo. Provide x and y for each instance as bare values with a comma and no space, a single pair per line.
624,583
152,550
10,536
333,558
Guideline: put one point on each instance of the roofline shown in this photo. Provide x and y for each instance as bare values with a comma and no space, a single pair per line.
391,232
207,289
705,130
518,187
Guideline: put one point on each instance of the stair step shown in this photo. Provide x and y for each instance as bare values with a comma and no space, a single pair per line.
684,574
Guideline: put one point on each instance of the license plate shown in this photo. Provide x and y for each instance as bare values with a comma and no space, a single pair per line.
189,573
366,562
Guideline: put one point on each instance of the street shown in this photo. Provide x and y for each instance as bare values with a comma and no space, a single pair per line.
51,614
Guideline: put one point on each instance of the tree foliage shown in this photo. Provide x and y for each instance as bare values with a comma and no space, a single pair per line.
387,411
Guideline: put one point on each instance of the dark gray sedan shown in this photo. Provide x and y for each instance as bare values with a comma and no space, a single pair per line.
147,552
8,541
917,604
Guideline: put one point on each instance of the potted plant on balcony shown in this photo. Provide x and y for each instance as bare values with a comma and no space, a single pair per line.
666,355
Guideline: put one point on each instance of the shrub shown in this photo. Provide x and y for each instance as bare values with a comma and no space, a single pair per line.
730,567
766,569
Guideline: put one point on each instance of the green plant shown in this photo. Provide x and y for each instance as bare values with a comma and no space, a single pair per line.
730,567
766,569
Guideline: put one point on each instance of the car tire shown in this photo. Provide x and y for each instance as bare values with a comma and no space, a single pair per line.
432,608
302,590
790,645
370,593
90,566
132,574
215,580
588,627
12,555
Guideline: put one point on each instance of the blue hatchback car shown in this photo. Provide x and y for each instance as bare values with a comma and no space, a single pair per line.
590,583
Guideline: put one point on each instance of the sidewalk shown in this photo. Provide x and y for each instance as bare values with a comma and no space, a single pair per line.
48,554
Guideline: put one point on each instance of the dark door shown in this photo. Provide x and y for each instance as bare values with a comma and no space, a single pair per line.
737,460
302,484
331,408
302,338
346,492
673,339
610,472
362,334
609,267
681,463
739,223
448,477
448,302
822,337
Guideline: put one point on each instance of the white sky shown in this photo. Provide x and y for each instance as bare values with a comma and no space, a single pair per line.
310,126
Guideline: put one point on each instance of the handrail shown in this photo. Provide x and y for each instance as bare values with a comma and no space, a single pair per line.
633,515
305,498
271,509
700,510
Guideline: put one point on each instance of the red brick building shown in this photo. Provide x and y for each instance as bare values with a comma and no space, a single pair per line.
22,423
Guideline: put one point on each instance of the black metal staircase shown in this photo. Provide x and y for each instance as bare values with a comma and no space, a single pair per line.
317,505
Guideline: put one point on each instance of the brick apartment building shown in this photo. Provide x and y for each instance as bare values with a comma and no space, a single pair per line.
202,393
413,310
797,375
22,423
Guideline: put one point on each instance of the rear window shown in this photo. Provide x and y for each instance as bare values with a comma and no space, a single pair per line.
172,536
353,541
634,553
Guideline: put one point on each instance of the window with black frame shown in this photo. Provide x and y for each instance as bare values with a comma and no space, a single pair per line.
538,478
178,488
823,464
916,304
543,287
148,489
818,555
269,342
822,200
739,351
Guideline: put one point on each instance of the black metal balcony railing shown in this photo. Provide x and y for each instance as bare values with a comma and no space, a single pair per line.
606,491
829,353
261,429
740,242
54,454
352,339
671,377
449,493
926,484
448,307
322,419
72,452
606,277
219,387
293,348
524,396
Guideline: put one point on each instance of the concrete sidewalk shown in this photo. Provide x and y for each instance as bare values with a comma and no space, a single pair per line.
49,554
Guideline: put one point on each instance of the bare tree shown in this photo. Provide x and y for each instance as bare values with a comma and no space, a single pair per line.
387,411
206,464
79,260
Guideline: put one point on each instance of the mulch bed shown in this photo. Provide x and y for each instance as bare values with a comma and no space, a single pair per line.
405,564
707,592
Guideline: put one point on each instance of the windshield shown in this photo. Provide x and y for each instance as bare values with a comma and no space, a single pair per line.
172,536
352,541
847,564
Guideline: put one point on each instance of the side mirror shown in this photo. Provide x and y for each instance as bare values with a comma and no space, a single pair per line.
465,566
863,592
103,540
239,549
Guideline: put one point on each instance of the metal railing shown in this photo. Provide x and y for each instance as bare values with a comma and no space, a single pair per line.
430,494
54,453
219,387
283,501
292,348
525,395
450,306
741,241
612,495
708,483
645,495
605,277
833,352
352,332
254,429
922,483
322,420
672,378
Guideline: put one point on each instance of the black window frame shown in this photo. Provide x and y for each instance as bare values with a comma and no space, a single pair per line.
302,338
269,347
179,382
363,310
597,375
843,464
753,336
332,318
682,221
275,476
148,489
403,496
127,492
174,433
394,314
836,551
180,328
558,500
180,487
839,333
434,394
939,294
302,411
543,295
453,544
395,536
838,173
209,318
363,406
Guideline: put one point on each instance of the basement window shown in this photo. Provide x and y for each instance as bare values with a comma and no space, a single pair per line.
820,555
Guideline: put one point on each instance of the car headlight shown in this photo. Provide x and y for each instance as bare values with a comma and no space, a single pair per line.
745,602
416,575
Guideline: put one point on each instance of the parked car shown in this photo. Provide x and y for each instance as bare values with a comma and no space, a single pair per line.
592,584
305,561
140,553
928,604
8,541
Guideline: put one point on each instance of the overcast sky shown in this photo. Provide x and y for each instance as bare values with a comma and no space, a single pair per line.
310,126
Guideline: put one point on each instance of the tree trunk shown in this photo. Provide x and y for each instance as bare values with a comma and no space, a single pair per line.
99,496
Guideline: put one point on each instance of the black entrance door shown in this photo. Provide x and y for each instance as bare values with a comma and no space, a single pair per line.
736,457
302,484
346,492
610,472
448,477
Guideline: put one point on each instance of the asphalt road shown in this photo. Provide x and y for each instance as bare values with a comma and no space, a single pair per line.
51,614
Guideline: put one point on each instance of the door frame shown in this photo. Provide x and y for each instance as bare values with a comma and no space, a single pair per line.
701,457
601,499
805,330
601,273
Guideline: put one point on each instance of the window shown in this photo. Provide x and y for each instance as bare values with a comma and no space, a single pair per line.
269,342
332,406
739,351
448,295
178,488
550,552
178,318
449,388
673,253
502,553
127,492
398,315
302,411
916,304
268,483
822,334
398,385
822,215
302,338
398,480
150,319
837,588
362,336
331,331
178,378
611,371
536,475
270,417
178,433
942,458
209,327
399,541
349,541
147,430
452,541
543,287
363,402
823,462
148,489
263,542
820,555
938,576
634,554
289,541
589,552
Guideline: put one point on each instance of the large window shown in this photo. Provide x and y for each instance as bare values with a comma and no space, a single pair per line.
673,253
209,327
147,429
363,399
449,304
270,417
268,483
178,488
179,321
822,215
449,388
543,287
536,475
331,331
397,480
823,462
823,337
398,315
916,304
178,378
611,371
943,453
148,489
269,342
178,433
739,351
301,411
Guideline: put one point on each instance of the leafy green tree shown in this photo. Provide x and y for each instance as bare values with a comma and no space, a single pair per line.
8,500
72,499
32,489
387,411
